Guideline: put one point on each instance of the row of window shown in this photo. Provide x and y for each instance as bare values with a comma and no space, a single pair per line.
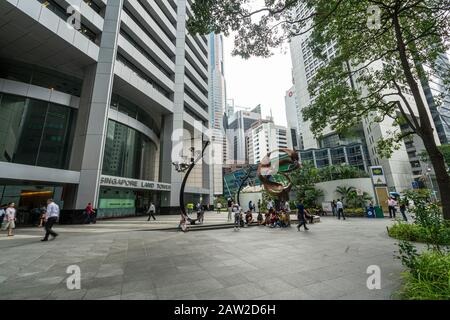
35,132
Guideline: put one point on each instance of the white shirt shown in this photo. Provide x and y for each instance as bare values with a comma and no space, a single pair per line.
10,214
152,208
52,210
339,205
287,207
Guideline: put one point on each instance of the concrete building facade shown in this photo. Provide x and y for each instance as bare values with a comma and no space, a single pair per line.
264,137
100,98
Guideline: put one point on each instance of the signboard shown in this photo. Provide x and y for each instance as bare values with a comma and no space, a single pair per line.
377,174
116,203
133,183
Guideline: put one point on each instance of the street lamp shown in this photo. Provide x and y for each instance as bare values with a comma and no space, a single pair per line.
187,167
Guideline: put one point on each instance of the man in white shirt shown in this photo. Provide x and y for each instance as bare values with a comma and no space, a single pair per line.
151,211
51,217
340,209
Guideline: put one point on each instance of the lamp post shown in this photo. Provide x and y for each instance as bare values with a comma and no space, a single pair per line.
187,167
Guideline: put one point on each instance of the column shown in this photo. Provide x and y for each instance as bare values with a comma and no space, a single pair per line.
94,140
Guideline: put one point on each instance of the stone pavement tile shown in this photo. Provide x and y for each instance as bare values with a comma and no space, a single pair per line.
183,289
233,280
17,293
102,282
112,297
273,286
246,291
110,270
188,268
293,294
147,295
299,279
138,286
322,291
103,292
219,294
66,294
165,280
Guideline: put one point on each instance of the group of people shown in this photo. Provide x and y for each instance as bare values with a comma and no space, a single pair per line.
8,217
272,218
337,207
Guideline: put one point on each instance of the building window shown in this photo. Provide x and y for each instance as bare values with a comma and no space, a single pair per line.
35,132
128,153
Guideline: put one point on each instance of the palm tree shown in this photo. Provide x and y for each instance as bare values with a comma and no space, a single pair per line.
345,192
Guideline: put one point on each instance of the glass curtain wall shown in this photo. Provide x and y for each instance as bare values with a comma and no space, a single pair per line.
128,153
35,132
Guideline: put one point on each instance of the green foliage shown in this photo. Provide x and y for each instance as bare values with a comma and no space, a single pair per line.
350,197
428,277
354,212
407,232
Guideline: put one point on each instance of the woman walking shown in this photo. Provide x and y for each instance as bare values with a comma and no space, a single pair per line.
10,218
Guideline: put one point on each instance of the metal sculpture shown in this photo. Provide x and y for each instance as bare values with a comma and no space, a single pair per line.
268,169
187,167
248,171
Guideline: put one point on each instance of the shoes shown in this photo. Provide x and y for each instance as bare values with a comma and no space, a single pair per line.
44,239
306,229
54,236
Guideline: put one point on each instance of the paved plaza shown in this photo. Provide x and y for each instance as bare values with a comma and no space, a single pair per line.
126,259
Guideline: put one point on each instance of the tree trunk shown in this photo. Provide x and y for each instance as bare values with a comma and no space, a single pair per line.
426,129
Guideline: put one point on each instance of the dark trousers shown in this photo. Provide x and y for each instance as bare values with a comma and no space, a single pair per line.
150,215
392,212
301,222
340,212
403,211
48,227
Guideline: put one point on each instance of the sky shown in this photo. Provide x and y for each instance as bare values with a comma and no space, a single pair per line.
258,81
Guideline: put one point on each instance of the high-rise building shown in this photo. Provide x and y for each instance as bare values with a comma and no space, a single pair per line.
264,137
291,108
435,89
238,124
97,103
399,168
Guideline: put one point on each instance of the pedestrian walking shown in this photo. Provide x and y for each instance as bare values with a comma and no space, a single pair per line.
151,211
9,220
219,207
237,216
230,205
391,206
259,205
301,216
42,219
403,210
250,206
333,207
51,216
340,209
2,213
89,213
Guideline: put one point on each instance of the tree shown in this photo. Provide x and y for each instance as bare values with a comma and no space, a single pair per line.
354,85
345,192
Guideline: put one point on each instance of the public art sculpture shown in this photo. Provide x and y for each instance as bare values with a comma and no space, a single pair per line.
248,172
187,167
270,171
